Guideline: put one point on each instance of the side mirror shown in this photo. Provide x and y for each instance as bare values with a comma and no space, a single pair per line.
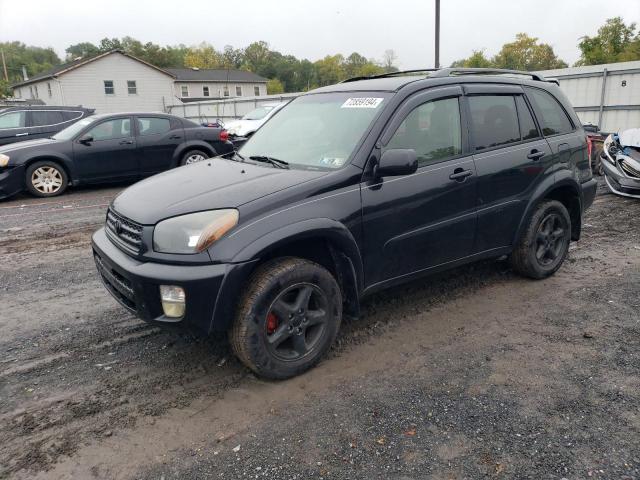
397,161
86,139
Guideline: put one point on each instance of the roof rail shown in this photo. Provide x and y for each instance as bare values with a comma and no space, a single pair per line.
390,74
449,72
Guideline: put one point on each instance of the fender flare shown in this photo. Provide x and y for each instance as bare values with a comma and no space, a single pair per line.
63,160
551,183
192,145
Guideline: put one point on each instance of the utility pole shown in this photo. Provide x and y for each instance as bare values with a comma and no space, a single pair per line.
437,34
4,66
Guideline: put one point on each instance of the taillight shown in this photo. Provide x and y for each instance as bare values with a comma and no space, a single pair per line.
224,136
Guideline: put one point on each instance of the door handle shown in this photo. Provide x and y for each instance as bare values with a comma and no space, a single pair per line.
175,137
22,134
459,174
126,142
535,154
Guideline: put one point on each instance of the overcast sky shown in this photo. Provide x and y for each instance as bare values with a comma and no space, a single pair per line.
311,30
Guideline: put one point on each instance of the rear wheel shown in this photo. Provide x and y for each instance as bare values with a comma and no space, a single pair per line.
288,318
545,243
193,156
46,179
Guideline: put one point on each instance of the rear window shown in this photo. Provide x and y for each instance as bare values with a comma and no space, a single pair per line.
41,118
70,115
551,115
528,128
494,120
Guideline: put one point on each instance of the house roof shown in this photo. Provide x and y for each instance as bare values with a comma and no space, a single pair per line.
65,67
215,75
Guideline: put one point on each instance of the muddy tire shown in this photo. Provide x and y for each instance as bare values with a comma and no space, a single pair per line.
287,319
46,178
193,156
544,244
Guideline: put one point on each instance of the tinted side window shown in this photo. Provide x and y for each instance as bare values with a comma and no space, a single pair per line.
528,127
43,117
494,120
151,125
68,116
551,115
116,128
13,119
432,130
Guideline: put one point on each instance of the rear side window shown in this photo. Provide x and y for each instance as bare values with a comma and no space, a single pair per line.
40,118
494,120
432,130
551,115
528,128
13,119
153,125
68,116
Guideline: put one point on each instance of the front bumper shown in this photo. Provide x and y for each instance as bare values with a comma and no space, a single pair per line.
211,291
11,181
619,183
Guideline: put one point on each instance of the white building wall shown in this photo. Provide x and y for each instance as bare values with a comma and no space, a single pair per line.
39,90
85,86
216,89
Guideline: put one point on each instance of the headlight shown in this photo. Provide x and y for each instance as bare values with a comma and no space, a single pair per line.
608,150
194,232
4,160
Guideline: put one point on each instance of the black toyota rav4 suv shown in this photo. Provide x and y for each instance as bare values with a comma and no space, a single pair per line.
350,189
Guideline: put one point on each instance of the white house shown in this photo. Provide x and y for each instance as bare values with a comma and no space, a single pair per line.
115,82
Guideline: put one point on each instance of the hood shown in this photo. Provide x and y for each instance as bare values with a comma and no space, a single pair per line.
207,185
242,127
27,144
630,138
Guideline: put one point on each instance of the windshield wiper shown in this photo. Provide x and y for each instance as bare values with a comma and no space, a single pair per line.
236,154
276,162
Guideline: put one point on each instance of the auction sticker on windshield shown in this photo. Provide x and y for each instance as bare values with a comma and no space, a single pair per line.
362,102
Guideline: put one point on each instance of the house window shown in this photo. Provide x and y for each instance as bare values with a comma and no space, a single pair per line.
31,91
205,91
238,91
132,88
49,89
226,90
184,89
256,91
35,89
108,87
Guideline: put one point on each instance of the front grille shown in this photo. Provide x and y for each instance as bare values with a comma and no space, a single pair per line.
119,286
124,232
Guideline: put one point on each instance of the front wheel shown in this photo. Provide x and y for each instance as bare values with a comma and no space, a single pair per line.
46,179
288,318
545,243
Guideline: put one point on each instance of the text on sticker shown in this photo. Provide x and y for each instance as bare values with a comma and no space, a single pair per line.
362,102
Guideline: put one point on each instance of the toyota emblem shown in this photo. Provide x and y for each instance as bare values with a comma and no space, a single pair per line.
117,226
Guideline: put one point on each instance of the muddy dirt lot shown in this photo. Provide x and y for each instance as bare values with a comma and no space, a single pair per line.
473,374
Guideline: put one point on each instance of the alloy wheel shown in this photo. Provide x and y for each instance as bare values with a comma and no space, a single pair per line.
296,321
550,239
46,179
196,157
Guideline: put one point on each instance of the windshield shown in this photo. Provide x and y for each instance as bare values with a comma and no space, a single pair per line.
258,114
71,131
317,131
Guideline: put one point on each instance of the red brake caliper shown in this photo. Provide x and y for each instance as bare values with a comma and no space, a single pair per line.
272,323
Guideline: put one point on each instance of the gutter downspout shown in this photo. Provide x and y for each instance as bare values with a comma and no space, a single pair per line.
604,86
64,104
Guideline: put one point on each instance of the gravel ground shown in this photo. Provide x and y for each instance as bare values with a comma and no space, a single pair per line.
476,373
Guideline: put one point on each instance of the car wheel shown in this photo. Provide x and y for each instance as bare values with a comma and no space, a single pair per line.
545,243
46,179
287,319
193,156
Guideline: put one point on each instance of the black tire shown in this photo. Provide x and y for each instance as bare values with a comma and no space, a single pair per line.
46,178
544,245
273,291
190,157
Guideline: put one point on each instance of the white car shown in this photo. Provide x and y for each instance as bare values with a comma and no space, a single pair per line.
247,125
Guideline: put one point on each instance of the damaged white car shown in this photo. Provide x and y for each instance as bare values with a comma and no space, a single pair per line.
621,163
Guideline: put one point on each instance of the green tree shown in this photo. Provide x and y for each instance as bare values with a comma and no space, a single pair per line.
203,56
34,59
615,42
389,61
81,50
256,56
330,69
525,53
274,86
476,60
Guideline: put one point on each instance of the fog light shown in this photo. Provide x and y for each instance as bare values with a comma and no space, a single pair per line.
172,300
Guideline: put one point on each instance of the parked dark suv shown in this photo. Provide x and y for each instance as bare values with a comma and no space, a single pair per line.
28,122
347,190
